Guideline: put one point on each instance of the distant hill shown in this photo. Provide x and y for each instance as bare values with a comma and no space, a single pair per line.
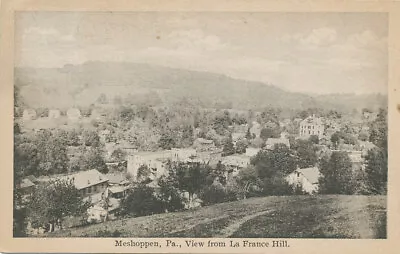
81,85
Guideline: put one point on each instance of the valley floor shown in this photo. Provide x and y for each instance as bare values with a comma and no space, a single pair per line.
320,216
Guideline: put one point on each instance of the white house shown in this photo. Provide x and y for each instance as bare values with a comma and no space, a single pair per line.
88,182
306,178
312,125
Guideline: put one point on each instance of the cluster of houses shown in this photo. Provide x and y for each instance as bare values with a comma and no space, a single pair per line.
105,191
208,154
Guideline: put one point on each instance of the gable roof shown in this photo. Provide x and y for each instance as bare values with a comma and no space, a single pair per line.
312,174
116,178
86,179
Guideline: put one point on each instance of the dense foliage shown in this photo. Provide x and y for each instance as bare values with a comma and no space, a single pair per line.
336,174
52,202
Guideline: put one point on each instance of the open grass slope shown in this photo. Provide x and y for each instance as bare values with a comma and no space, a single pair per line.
329,216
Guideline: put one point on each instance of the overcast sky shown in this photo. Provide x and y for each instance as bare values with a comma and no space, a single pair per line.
303,52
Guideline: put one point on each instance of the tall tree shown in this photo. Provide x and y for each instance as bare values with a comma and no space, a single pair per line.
190,177
26,160
54,201
272,167
379,129
141,201
376,171
52,153
170,196
337,176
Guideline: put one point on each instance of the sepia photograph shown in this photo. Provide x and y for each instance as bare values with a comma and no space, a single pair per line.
200,125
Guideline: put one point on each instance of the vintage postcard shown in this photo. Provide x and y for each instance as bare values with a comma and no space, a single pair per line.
200,127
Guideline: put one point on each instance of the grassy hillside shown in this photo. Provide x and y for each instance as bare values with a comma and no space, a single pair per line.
81,85
269,217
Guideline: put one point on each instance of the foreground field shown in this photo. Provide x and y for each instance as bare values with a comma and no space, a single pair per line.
269,217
